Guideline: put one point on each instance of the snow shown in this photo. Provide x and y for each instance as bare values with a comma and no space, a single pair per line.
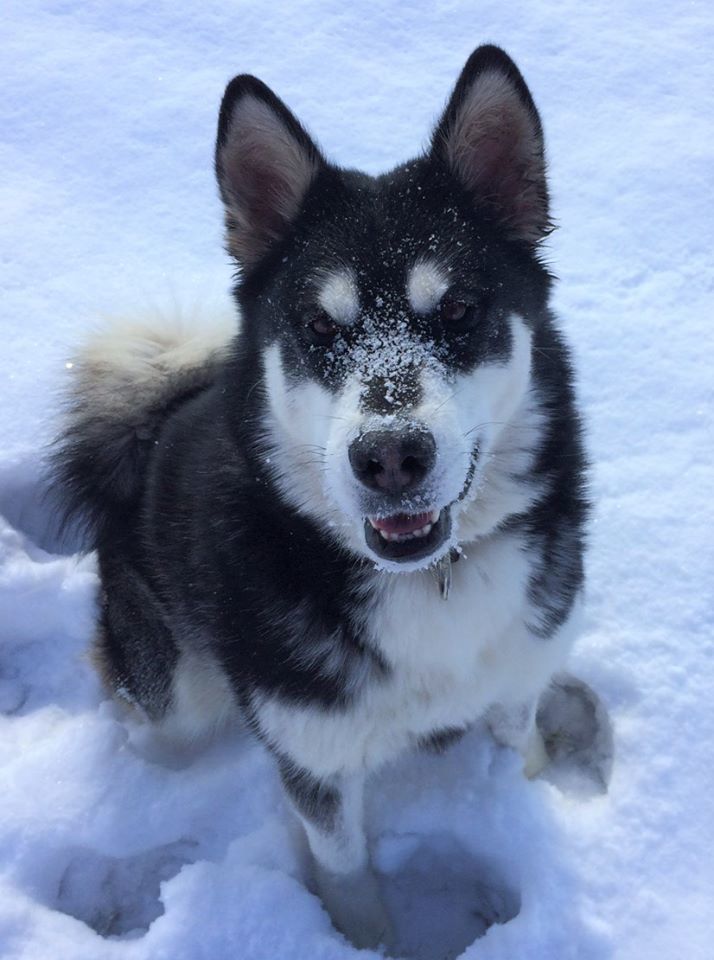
112,846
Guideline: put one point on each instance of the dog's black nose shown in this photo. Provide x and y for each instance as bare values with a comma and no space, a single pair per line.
392,461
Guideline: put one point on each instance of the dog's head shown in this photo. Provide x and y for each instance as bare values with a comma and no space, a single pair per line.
393,316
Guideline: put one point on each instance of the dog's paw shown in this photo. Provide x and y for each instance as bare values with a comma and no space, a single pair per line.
535,756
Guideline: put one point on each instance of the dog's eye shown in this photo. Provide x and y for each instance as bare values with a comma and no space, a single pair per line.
453,310
322,328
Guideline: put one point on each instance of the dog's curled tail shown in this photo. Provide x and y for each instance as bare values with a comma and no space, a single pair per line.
125,382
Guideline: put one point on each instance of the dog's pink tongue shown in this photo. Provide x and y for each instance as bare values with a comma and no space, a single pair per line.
402,522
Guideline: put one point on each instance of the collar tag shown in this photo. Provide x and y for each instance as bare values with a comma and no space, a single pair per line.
443,576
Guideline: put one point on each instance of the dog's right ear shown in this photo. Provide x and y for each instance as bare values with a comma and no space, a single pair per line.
265,163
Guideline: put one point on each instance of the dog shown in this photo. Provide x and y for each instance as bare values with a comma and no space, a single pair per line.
357,522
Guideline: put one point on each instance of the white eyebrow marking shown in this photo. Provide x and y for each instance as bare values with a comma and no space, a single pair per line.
426,285
338,296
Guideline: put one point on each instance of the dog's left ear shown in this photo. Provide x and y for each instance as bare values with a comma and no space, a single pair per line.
490,138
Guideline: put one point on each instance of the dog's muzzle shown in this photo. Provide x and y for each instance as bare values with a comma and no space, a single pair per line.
393,467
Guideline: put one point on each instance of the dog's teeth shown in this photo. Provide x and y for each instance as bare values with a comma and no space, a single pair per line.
424,532
434,516
401,537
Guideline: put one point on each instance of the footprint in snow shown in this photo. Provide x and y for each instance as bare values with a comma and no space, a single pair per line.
443,898
29,506
578,738
119,897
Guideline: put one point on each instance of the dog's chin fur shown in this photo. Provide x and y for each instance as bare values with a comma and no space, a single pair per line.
396,357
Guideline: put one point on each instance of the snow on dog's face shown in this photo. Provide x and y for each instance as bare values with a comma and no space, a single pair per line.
392,316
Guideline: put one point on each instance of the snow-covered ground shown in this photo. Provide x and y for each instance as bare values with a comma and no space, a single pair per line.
112,848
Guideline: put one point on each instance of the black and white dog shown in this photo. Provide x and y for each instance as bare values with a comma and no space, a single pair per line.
358,523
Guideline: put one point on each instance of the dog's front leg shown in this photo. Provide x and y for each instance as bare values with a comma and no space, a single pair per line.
515,726
331,811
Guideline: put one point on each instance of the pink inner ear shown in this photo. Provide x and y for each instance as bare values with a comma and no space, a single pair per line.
494,146
261,200
265,173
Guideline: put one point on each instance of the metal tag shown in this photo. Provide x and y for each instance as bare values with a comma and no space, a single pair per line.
443,575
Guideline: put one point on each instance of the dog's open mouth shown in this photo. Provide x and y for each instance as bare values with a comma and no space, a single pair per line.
411,537
408,536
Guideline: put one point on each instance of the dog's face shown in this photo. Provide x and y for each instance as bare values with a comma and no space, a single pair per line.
395,314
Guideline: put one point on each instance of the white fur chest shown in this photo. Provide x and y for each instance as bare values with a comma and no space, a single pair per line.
450,660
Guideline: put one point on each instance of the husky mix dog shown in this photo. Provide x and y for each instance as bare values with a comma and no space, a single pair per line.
358,522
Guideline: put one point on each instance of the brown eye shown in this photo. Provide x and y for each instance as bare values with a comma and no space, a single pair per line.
322,328
452,310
